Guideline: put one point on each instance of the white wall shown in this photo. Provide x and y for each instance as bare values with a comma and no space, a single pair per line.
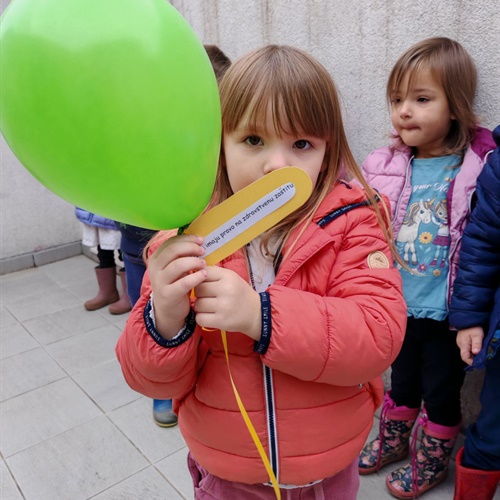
357,40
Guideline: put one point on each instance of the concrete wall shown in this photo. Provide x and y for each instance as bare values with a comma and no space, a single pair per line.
358,41
36,226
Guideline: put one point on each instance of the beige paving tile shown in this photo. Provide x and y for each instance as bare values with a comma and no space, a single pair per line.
118,320
8,486
15,339
70,271
77,464
84,289
21,284
106,386
174,467
85,351
27,371
148,484
62,324
135,421
43,413
48,300
6,319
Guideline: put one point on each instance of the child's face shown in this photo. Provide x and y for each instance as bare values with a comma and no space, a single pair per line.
421,114
251,154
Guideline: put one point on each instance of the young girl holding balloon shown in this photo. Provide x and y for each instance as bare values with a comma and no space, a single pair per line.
313,307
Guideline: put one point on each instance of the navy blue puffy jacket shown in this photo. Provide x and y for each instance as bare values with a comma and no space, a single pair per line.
476,292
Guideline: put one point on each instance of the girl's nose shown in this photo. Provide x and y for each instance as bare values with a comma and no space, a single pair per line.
275,160
405,110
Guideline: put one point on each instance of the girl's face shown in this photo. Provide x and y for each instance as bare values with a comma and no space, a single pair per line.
251,154
421,114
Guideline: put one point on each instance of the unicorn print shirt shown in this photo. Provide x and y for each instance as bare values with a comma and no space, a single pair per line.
424,238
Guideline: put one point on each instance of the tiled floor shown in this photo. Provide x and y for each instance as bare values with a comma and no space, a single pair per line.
70,427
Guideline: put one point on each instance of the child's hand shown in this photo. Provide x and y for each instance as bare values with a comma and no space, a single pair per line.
227,302
174,270
470,341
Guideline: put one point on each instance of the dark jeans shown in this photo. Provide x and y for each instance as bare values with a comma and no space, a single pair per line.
482,444
134,271
429,368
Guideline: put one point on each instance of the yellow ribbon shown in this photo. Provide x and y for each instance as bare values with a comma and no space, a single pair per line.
249,425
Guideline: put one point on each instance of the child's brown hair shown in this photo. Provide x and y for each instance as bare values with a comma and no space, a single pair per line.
453,68
220,62
304,100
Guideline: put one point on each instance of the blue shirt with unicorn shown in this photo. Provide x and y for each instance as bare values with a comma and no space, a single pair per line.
424,238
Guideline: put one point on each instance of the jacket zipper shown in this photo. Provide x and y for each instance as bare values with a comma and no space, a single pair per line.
271,420
269,395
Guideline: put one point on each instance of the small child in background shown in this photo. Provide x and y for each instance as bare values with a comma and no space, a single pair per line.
429,173
475,309
103,233
312,308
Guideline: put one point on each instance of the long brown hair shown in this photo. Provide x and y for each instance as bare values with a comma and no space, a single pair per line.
304,100
453,68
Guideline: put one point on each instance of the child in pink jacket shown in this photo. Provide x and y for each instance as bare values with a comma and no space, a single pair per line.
429,174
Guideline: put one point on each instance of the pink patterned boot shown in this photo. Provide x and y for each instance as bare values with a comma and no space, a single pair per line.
392,443
428,466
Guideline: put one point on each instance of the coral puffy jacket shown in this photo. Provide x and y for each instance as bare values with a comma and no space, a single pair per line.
338,321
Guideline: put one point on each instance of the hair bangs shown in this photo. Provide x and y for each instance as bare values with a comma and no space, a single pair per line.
410,70
276,88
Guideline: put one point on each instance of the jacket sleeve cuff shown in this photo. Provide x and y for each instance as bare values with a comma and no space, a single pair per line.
265,337
179,339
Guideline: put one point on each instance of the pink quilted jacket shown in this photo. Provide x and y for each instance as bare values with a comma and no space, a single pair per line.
389,172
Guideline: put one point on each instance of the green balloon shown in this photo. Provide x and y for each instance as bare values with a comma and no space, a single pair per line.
113,105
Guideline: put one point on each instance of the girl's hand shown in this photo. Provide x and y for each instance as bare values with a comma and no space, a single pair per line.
226,301
174,270
470,341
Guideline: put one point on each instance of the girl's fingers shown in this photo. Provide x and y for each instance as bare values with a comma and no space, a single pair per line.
190,281
180,268
174,248
205,305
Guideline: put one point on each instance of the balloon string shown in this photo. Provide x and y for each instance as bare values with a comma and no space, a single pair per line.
249,425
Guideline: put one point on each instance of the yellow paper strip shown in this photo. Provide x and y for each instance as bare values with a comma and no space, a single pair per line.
250,212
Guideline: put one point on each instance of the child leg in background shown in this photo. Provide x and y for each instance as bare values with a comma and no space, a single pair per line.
106,280
97,232
135,268
393,441
123,305
478,462
428,367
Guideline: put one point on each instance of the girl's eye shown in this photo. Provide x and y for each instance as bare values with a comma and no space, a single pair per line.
302,144
253,140
395,100
423,99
